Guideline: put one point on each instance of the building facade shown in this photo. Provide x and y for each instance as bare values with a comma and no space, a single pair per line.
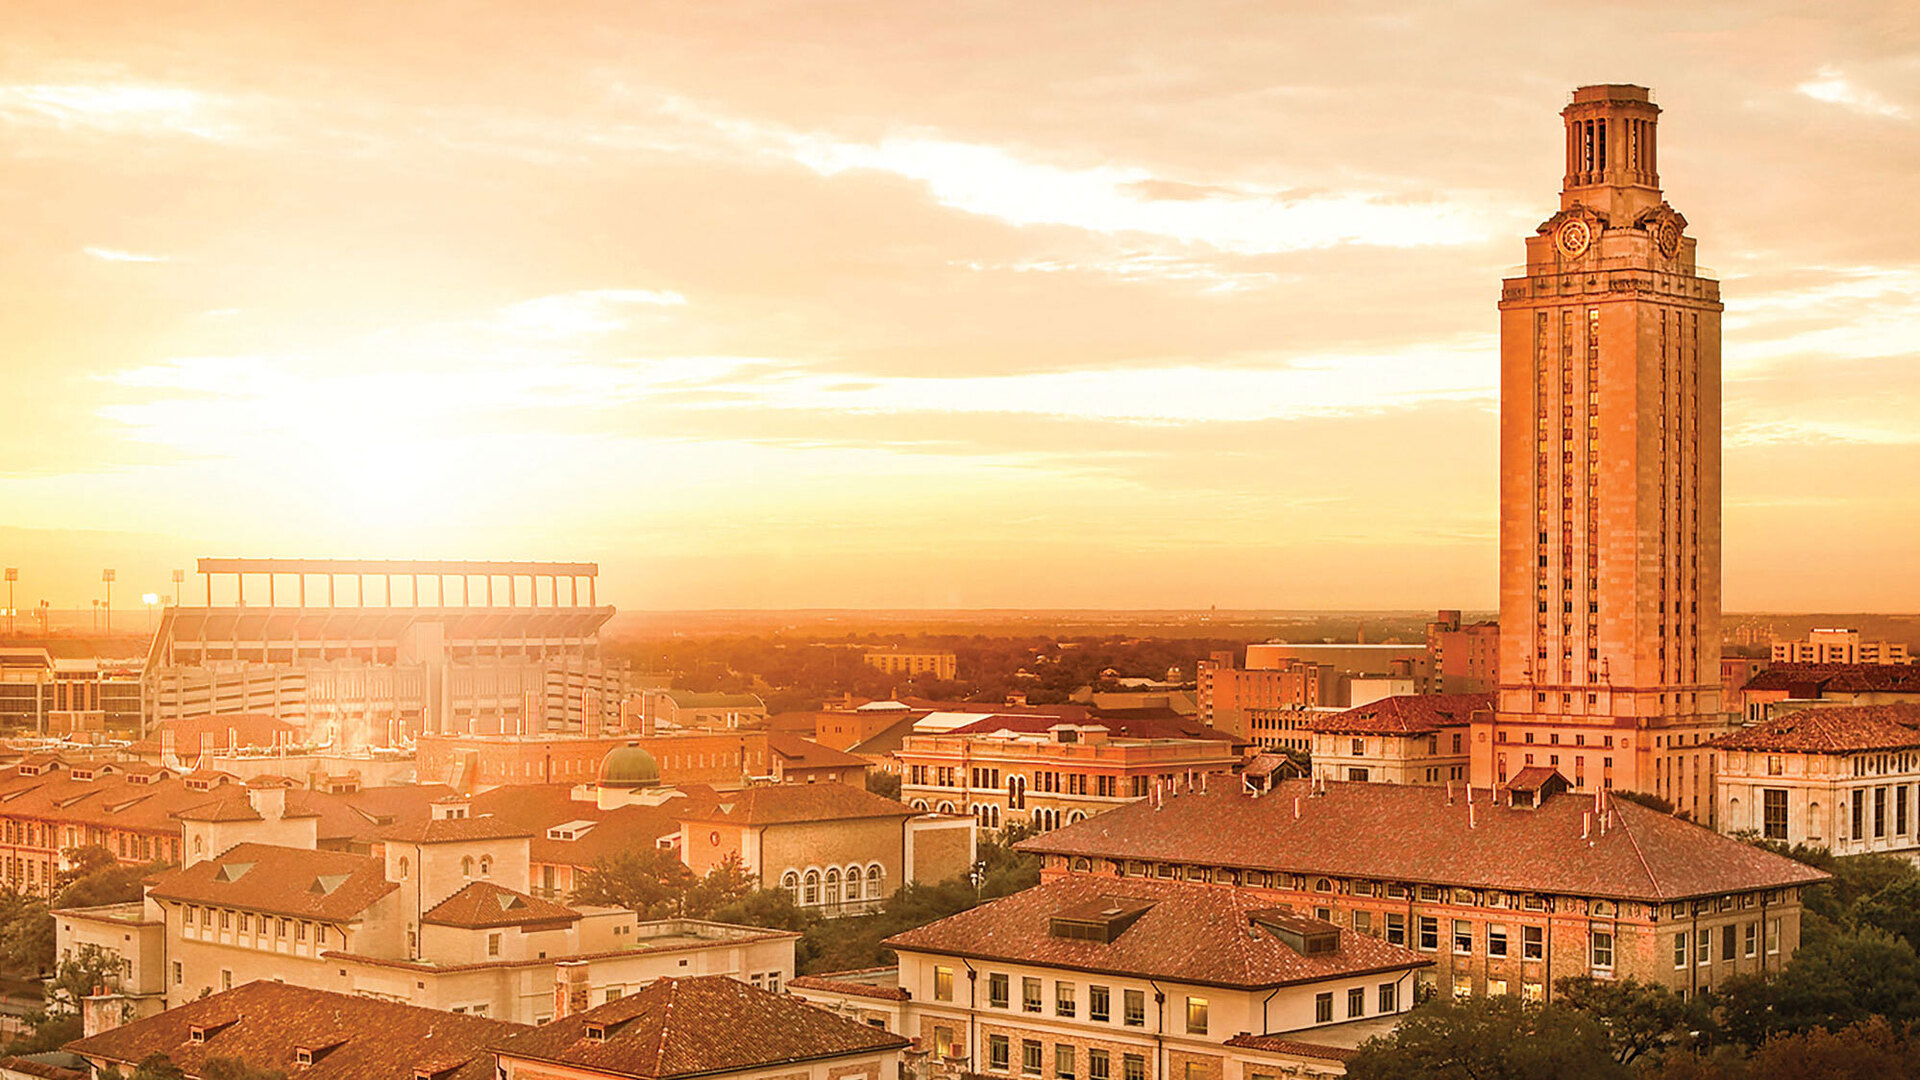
1412,739
1610,479
1229,696
1463,657
1845,778
1027,771
48,695
944,666
1505,895
1839,646
1784,688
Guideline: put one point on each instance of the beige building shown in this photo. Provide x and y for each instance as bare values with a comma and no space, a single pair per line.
1039,771
941,665
1142,978
1838,646
1410,739
439,916
1845,778
1610,479
1506,895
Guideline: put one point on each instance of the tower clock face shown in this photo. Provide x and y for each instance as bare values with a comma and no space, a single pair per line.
1667,235
1573,238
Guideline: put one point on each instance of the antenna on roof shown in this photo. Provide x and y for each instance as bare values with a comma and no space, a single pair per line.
1472,814
1469,794
1586,826
1449,793
1203,783
1296,808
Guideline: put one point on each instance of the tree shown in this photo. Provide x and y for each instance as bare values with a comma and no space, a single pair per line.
26,933
1870,1050
884,783
158,1067
1895,908
227,1068
725,884
1489,1038
1639,1018
770,908
1845,979
649,880
90,967
1646,799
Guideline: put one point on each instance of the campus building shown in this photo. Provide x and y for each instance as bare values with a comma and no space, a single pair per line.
1838,646
1609,480
349,650
1785,688
45,694
1409,739
1464,658
1845,778
1506,895
944,666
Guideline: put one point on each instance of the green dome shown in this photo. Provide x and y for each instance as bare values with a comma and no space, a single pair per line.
629,767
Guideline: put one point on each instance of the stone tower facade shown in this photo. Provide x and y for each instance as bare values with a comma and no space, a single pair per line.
1609,481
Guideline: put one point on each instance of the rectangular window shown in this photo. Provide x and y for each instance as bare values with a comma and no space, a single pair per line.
1063,1003
1879,811
1859,813
1031,1062
1323,1008
943,984
1136,1009
1680,949
493,944
1099,1066
1389,997
1751,934
1532,943
177,974
1396,928
1133,1067
1356,1002
1773,936
1496,940
1063,1061
942,1041
1030,995
999,1053
1602,947
1900,810
1429,933
1099,1007
1729,947
1703,947
1196,1016
1463,937
999,991
1773,814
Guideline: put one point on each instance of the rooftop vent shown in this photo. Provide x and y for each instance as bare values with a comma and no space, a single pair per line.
1308,937
1100,920
232,871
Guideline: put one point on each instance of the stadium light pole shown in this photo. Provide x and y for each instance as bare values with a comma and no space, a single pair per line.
106,578
13,575
150,599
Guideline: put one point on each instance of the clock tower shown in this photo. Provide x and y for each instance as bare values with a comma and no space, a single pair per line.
1609,481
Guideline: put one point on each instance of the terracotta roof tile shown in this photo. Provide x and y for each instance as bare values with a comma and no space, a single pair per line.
1278,1044
807,754
692,1026
280,880
266,1023
781,804
1391,832
1187,932
1840,678
1833,729
1405,714
455,830
849,986
483,904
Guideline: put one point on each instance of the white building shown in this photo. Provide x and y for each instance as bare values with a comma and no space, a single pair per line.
1832,645
1846,778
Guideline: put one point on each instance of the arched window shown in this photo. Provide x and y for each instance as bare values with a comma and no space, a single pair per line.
1076,816
873,882
1083,864
853,883
486,866
810,891
199,845
1813,821
466,866
833,886
1323,885
920,804
790,881
946,808
405,868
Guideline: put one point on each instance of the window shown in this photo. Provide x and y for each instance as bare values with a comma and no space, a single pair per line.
177,973
1133,1067
1396,928
466,866
1680,949
226,979
1323,1008
1196,1016
1496,940
1600,942
1773,814
1751,935
1429,933
1099,1066
1463,937
999,991
1030,995
1389,997
1363,921
942,1041
1532,943
1099,1008
999,1053
1136,1009
1031,1062
1703,947
1063,1061
1063,1003
1356,1002
943,984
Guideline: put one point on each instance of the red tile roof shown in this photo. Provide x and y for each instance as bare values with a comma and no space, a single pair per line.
1834,729
456,830
267,1023
483,904
1536,778
235,806
1840,678
799,753
784,804
1117,727
280,880
112,799
1406,833
1405,714
683,1027
1279,1044
852,987
539,807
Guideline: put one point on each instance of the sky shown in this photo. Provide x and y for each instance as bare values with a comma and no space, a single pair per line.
893,304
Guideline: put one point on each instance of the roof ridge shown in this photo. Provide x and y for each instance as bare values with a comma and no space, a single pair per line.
666,1024
1652,879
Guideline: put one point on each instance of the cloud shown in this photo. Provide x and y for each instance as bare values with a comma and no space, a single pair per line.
116,255
1830,86
591,311
118,109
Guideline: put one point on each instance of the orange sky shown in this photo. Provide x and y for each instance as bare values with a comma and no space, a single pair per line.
894,304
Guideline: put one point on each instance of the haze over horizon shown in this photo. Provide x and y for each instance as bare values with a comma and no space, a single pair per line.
863,306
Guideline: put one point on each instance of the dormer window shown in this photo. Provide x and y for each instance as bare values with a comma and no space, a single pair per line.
303,1056
196,1033
597,1033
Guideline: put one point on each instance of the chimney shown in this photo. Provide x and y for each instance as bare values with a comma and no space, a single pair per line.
1586,825
1449,793
1472,812
270,802
1296,808
168,756
569,988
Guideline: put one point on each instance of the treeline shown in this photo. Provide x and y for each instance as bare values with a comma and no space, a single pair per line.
796,673
1847,1005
